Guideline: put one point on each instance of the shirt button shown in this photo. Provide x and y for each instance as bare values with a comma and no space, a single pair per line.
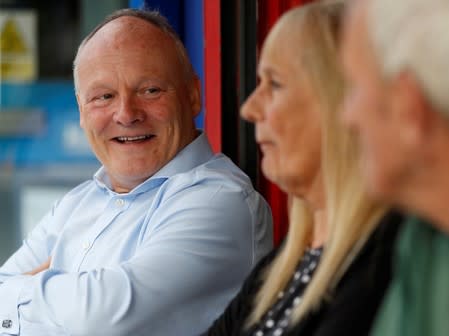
7,324
119,202
86,245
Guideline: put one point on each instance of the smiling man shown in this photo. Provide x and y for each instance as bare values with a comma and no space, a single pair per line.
161,238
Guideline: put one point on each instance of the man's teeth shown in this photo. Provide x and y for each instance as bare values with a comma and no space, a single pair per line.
135,138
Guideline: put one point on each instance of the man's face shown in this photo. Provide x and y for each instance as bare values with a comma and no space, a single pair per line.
136,105
370,109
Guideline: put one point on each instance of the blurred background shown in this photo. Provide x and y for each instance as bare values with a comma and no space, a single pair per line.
43,151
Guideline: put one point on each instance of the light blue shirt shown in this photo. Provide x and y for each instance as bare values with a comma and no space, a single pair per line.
163,259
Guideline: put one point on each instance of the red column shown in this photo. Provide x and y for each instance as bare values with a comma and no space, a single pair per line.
212,72
268,12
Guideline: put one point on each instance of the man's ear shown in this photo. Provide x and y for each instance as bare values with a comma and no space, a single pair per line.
195,96
412,110
80,110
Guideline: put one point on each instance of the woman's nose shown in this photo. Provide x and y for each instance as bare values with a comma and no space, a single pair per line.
251,110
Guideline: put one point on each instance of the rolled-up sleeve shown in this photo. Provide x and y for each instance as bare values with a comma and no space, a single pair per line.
34,251
9,293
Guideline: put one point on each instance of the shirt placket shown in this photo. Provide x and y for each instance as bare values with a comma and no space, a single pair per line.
117,205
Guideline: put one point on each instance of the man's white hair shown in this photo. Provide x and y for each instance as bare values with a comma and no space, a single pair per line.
413,35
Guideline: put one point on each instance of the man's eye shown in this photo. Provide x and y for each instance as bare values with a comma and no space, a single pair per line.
152,90
105,96
101,99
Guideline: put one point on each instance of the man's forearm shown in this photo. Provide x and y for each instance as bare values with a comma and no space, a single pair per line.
40,268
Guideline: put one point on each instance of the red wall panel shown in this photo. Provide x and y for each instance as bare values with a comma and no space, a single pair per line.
268,13
212,70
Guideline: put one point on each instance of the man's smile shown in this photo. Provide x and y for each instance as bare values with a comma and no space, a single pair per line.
133,139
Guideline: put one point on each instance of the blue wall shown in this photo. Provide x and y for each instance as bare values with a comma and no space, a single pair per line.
186,17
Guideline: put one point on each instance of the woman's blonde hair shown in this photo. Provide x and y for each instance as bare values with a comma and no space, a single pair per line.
351,214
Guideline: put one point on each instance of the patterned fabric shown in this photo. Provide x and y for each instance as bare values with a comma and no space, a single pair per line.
276,320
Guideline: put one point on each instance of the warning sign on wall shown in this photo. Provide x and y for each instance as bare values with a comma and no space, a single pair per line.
18,45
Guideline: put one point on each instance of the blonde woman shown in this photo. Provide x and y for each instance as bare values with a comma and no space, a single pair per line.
330,273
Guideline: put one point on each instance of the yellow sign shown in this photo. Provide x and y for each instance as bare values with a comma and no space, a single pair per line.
18,47
11,41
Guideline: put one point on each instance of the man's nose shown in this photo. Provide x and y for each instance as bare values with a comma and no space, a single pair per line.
128,112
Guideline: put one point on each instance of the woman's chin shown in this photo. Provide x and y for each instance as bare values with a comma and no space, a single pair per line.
276,179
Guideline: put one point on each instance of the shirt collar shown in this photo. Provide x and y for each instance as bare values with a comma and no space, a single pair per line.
191,156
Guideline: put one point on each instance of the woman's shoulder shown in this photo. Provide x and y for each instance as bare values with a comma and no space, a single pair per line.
378,251
356,298
232,320
387,228
374,260
254,280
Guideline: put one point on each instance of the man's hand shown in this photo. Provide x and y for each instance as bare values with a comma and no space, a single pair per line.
40,268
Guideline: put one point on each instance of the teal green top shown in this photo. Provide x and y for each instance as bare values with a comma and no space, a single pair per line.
417,302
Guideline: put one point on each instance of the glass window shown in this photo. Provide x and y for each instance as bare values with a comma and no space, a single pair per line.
43,151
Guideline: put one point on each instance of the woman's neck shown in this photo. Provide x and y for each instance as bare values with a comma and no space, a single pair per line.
317,202
319,233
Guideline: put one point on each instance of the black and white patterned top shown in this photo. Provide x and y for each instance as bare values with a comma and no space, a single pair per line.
354,301
276,320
